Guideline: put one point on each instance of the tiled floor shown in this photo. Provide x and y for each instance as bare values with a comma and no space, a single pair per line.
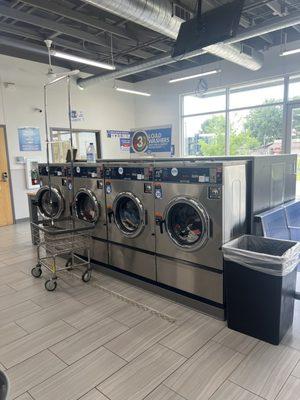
82,343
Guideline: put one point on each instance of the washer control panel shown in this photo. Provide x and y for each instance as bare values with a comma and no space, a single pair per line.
209,175
94,172
129,173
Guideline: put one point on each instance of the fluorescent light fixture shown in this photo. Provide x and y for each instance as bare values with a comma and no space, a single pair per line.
185,78
82,60
132,92
289,52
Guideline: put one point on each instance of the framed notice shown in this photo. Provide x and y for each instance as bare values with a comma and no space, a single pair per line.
29,139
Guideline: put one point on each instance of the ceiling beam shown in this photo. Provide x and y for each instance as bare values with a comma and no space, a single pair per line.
64,29
56,8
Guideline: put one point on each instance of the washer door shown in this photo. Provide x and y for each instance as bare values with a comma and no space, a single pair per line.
50,202
86,206
187,223
129,214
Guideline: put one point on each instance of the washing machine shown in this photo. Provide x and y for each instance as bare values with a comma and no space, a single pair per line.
199,206
54,203
89,205
130,214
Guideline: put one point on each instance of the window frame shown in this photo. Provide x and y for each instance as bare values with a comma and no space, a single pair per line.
97,133
285,103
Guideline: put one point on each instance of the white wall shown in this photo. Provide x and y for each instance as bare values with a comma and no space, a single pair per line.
103,109
163,107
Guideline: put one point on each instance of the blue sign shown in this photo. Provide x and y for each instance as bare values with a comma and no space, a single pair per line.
112,134
125,144
29,139
154,140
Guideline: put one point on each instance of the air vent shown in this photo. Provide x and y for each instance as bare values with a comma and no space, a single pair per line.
181,12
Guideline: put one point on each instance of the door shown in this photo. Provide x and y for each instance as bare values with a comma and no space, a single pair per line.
6,214
293,142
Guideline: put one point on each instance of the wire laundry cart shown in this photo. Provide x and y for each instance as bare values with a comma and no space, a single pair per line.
58,241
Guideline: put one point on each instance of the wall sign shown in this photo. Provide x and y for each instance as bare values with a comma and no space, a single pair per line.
112,134
77,116
152,140
125,145
29,139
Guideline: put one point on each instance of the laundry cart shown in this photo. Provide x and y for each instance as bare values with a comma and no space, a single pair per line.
58,243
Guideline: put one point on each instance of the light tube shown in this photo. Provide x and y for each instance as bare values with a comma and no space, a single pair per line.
132,92
82,60
289,52
185,78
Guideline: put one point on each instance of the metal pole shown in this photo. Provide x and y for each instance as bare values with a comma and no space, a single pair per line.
47,148
71,137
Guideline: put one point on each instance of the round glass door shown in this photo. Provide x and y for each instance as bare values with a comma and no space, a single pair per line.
129,214
187,223
50,202
86,206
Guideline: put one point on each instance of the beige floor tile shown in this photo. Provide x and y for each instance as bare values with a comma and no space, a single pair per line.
131,315
24,396
140,377
87,340
19,297
236,341
18,311
31,372
94,395
296,371
9,277
92,314
182,313
265,369
49,315
94,296
81,377
204,372
192,335
292,338
140,338
34,343
24,283
10,333
291,390
163,393
230,391
6,290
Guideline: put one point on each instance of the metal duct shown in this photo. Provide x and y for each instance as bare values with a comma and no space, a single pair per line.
272,26
153,14
158,16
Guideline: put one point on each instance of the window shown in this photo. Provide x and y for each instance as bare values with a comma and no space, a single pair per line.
256,131
205,135
81,140
294,88
251,116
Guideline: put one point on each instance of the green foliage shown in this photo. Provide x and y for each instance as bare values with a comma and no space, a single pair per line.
261,127
265,123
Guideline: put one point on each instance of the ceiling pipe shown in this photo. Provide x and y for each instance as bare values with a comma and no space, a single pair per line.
158,16
275,25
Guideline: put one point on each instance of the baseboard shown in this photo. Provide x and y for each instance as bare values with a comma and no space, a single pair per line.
20,220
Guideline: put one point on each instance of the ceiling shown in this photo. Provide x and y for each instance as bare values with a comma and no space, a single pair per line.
87,31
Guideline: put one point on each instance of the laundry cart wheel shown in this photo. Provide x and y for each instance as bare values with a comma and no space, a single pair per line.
86,276
36,271
69,264
50,285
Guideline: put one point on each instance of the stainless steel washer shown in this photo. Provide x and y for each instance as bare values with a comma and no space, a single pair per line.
198,207
89,205
130,210
55,203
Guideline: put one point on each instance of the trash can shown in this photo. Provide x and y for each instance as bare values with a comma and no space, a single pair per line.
4,386
260,281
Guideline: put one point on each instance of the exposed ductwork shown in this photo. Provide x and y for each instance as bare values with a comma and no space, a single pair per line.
272,26
158,16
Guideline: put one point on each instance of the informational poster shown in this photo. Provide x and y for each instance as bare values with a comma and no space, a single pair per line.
125,145
113,134
77,116
152,140
29,139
